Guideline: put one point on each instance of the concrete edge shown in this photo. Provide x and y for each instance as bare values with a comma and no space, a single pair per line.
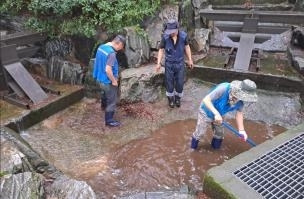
37,115
263,81
219,181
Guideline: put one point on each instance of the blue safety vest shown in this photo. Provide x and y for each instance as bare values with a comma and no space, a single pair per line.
175,53
222,103
99,71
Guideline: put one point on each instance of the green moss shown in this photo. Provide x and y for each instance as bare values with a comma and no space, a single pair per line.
276,66
213,61
8,111
3,173
215,190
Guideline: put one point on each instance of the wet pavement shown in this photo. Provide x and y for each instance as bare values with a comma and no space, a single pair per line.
151,150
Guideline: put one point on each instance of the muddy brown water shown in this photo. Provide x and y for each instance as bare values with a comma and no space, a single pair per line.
164,160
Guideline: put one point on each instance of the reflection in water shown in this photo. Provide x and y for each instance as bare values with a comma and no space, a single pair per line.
163,160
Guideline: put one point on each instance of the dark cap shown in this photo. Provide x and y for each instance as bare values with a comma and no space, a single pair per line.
171,27
121,38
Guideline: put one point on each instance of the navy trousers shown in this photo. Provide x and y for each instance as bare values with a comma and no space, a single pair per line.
174,78
109,97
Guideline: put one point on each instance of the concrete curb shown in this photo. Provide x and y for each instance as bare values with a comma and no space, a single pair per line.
263,81
37,115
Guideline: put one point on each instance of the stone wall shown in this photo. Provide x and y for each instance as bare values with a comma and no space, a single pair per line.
231,2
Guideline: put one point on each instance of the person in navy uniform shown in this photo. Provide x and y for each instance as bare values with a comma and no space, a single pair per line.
174,45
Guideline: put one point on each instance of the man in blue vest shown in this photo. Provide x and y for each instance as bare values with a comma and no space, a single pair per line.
106,73
224,98
174,44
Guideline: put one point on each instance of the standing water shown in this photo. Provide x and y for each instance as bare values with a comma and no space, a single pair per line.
160,161
151,150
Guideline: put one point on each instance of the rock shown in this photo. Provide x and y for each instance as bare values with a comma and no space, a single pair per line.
187,15
137,48
12,23
82,48
169,12
199,43
299,64
36,66
297,37
199,4
37,163
66,188
296,58
65,71
92,88
155,29
12,160
58,47
299,5
141,84
22,186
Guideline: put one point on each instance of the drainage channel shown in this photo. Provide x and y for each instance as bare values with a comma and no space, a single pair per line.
279,173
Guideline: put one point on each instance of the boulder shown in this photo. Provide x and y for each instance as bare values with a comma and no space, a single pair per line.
297,37
141,84
37,66
65,71
92,88
66,188
137,47
299,5
12,160
58,47
199,42
187,15
155,29
37,163
22,186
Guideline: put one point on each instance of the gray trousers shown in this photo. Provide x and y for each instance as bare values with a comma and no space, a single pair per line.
109,95
201,126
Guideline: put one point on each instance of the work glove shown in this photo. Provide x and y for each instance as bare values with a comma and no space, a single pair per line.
218,119
243,135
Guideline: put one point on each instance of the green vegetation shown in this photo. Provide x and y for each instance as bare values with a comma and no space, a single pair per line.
214,189
80,17
3,173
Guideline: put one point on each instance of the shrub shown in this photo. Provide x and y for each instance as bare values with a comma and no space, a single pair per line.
80,17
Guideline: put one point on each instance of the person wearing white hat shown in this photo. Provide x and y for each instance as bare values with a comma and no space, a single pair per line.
224,98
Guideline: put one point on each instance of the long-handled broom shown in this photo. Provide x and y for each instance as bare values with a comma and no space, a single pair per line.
234,131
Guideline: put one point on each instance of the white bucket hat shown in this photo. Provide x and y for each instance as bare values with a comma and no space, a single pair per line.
244,90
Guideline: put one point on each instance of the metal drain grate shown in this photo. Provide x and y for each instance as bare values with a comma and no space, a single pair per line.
279,173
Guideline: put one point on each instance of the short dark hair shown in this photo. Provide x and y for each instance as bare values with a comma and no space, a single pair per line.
121,39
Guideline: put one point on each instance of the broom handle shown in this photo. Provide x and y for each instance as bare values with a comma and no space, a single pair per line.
233,130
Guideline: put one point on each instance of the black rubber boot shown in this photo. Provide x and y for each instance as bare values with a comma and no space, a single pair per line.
194,143
177,101
110,121
171,102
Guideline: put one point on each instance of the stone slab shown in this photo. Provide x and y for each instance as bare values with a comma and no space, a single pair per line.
244,52
26,82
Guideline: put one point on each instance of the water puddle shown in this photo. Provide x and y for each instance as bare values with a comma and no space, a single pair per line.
163,160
